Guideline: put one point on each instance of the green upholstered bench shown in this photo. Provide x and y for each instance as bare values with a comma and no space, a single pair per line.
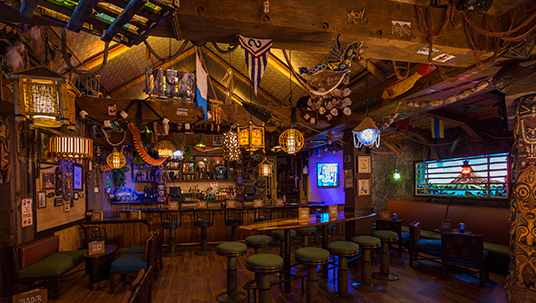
41,260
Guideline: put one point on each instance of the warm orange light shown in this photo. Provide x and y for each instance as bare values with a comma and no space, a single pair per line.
466,169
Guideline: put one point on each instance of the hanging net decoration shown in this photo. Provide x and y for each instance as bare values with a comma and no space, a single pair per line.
231,151
165,149
291,141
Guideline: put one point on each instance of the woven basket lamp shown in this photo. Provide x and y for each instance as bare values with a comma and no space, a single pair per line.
291,141
165,149
116,159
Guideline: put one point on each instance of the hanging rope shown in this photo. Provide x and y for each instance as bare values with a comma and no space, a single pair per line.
397,72
427,27
229,50
171,57
305,84
80,73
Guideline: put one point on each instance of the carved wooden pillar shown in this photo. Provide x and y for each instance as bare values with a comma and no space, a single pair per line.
521,281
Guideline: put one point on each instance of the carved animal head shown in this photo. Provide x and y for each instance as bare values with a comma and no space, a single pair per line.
354,50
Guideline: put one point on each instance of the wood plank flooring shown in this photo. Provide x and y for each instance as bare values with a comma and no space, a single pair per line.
196,279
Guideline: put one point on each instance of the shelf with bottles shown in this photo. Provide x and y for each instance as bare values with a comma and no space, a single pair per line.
201,168
151,177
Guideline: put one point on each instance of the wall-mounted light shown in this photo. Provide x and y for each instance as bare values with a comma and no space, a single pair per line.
366,134
200,143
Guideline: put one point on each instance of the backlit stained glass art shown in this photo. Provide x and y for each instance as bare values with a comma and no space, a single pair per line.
251,137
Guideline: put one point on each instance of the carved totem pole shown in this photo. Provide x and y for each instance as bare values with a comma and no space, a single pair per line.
518,82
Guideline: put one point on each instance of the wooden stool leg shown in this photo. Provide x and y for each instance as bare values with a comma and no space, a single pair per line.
232,295
366,278
312,284
305,240
234,235
342,296
203,251
384,265
264,288
258,250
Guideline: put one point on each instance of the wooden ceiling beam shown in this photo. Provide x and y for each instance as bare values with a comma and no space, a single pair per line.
392,147
283,68
459,120
375,70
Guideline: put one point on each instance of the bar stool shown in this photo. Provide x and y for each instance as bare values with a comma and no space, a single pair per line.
170,220
305,232
203,218
312,257
264,264
343,250
231,250
366,244
233,218
280,235
258,242
386,237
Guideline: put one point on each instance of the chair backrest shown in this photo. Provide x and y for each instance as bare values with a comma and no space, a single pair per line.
414,232
158,239
171,216
389,225
263,214
142,293
460,245
290,212
233,214
204,214
94,233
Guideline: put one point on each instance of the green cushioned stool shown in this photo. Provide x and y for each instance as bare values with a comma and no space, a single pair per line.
305,232
258,242
312,257
264,265
366,244
280,234
343,250
231,250
386,237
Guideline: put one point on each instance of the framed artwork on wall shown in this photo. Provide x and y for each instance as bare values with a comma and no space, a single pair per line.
58,202
42,198
363,164
47,181
77,177
66,207
364,187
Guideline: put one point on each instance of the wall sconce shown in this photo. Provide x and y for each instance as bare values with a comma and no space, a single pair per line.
291,141
265,168
366,134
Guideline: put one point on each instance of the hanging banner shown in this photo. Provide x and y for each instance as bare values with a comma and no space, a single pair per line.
26,212
256,53
202,88
437,129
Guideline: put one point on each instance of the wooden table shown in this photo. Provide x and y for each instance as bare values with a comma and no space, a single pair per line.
322,219
99,266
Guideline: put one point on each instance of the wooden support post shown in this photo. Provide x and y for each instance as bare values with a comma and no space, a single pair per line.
83,10
125,16
27,7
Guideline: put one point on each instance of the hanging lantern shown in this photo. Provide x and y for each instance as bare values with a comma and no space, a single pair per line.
70,147
44,98
265,168
179,154
396,174
165,149
231,152
291,141
366,133
251,137
466,169
116,159
200,143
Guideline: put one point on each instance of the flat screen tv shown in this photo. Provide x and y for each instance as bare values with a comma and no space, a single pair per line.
327,174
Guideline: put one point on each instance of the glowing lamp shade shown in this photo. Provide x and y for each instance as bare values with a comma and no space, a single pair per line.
116,159
179,153
165,149
70,147
265,168
396,175
251,137
291,141
466,169
200,143
366,134
231,151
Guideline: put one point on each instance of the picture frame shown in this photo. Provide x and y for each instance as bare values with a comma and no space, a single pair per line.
76,196
42,198
77,177
363,186
66,207
363,165
348,179
48,181
58,202
42,150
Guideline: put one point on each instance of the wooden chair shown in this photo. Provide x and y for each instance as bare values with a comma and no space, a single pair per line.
416,245
132,288
466,250
94,233
395,226
143,291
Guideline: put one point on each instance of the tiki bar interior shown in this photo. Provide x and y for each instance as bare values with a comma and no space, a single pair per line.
267,151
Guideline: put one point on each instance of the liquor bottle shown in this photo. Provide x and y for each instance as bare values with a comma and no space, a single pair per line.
145,192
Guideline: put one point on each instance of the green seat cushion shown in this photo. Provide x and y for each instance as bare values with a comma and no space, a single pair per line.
76,256
428,245
499,257
497,248
131,262
312,254
264,261
135,250
305,230
231,247
384,234
366,240
342,247
50,266
405,228
258,239
281,233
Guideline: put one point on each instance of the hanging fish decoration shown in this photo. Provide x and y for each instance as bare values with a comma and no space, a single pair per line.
229,79
261,114
399,87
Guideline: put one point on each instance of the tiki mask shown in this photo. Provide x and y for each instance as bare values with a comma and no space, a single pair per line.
5,167
526,131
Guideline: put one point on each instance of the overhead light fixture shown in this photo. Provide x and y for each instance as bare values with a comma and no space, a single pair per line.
265,168
200,143
231,152
366,134
70,147
396,174
178,154
251,137
291,141
116,159
466,168
165,149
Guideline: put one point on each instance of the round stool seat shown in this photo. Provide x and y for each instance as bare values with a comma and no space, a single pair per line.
305,230
343,248
169,224
281,233
385,235
367,241
312,255
264,262
231,247
258,240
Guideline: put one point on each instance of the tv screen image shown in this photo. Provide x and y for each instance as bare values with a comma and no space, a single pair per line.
327,174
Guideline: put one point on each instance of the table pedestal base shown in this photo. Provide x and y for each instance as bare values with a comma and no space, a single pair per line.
99,285
225,298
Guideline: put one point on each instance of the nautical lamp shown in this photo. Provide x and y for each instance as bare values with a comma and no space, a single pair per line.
165,149
396,174
179,153
265,168
466,169
251,137
200,143
366,134
231,152
116,159
70,147
291,141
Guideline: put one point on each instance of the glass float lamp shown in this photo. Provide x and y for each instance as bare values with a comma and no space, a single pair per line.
265,168
291,141
366,134
251,137
116,159
165,149
70,147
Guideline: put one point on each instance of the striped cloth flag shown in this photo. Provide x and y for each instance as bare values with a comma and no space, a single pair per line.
437,129
202,88
256,53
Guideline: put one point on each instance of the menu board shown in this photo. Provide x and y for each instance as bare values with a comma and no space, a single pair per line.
303,213
95,248
230,204
303,202
96,216
332,210
385,215
279,203
201,204
257,203
173,205
135,214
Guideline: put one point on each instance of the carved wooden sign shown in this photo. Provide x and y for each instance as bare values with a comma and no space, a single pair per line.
95,248
303,213
34,296
169,83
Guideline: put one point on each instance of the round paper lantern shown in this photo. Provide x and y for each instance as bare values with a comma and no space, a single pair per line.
116,159
291,141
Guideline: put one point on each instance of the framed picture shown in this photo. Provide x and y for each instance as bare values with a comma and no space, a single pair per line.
77,177
348,178
47,181
42,198
43,147
363,165
66,207
76,196
58,202
364,187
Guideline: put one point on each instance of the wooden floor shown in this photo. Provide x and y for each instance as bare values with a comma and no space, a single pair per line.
192,278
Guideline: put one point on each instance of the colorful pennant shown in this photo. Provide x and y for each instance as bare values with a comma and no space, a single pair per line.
437,129
256,54
202,88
